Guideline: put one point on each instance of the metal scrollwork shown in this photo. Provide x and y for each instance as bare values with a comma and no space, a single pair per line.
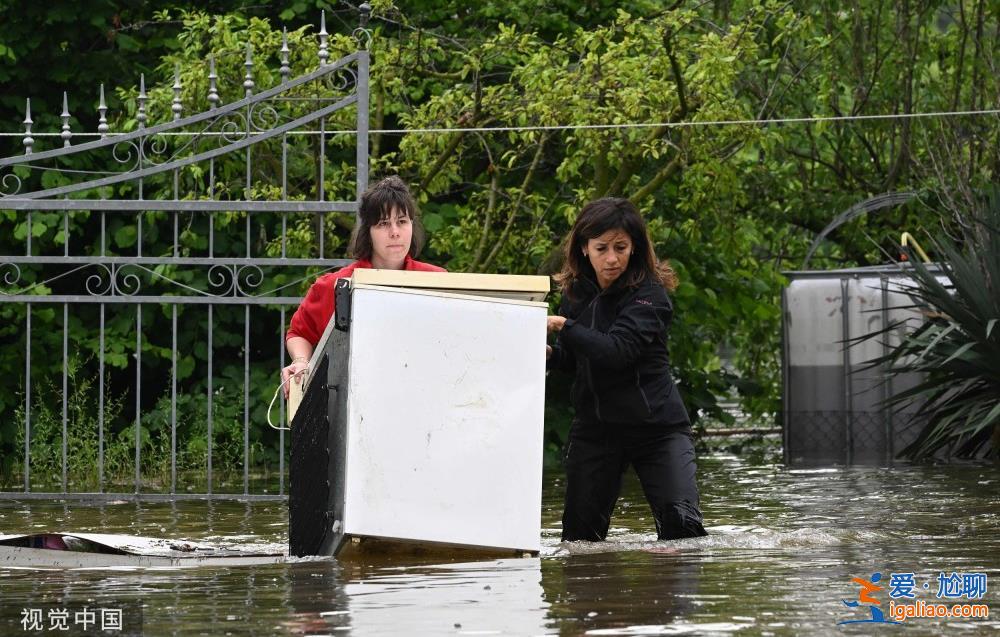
233,131
11,273
126,283
157,146
263,117
342,79
364,38
10,185
223,279
101,283
132,154
248,278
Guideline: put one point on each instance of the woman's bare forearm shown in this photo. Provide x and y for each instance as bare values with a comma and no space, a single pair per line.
299,349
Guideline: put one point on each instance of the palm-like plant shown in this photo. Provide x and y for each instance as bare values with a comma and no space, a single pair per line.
956,350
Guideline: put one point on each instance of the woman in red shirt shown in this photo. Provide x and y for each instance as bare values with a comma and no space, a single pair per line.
388,237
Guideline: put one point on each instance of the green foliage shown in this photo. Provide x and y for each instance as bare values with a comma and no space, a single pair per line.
730,205
956,350
83,427
225,35
64,45
82,432
503,201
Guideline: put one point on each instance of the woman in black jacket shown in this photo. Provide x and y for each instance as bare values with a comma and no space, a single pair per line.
612,334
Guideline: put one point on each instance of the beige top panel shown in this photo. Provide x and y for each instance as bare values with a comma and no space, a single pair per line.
511,286
490,296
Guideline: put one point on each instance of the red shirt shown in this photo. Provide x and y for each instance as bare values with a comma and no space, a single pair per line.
310,320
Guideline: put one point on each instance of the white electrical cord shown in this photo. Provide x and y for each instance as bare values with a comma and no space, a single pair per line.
301,372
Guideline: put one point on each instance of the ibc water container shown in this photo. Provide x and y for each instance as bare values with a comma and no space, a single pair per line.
833,399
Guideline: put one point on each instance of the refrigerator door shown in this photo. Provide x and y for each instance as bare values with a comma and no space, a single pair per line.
444,418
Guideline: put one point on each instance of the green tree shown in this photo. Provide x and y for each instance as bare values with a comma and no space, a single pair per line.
731,205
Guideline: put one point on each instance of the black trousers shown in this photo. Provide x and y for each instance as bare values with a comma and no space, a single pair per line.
597,456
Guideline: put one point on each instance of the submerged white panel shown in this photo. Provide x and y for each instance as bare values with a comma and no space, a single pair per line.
444,418
815,322
451,599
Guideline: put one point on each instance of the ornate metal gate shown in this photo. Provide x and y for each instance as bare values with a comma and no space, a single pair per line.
221,212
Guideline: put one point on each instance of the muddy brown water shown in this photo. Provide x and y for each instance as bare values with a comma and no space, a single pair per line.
783,547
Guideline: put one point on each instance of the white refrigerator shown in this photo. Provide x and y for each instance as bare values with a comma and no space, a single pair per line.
421,425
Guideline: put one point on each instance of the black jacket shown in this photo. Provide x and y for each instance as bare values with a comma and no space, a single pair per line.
616,342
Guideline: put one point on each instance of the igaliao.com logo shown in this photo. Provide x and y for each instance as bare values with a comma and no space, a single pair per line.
865,597
903,586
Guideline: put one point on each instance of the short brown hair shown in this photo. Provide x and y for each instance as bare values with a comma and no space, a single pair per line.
600,216
377,203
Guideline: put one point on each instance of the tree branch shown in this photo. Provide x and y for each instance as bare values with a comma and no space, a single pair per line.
429,72
455,140
601,167
601,156
490,207
899,163
517,204
675,68
631,164
653,184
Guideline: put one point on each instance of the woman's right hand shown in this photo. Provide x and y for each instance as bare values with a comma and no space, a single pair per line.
295,371
555,323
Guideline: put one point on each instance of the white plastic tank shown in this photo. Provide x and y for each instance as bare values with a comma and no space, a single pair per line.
833,401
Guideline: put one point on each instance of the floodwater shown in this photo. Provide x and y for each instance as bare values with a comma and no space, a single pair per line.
783,547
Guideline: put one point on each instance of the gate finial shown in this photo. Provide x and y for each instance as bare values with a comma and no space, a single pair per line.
248,80
102,122
362,34
28,140
141,115
213,93
285,70
66,134
324,54
175,106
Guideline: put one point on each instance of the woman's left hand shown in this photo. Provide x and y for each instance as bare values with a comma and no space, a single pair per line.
555,323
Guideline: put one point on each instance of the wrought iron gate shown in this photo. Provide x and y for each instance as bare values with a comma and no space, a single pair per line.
168,201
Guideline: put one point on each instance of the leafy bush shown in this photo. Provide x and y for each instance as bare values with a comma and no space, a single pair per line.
957,348
118,472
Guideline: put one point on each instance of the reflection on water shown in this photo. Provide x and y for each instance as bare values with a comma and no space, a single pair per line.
783,547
